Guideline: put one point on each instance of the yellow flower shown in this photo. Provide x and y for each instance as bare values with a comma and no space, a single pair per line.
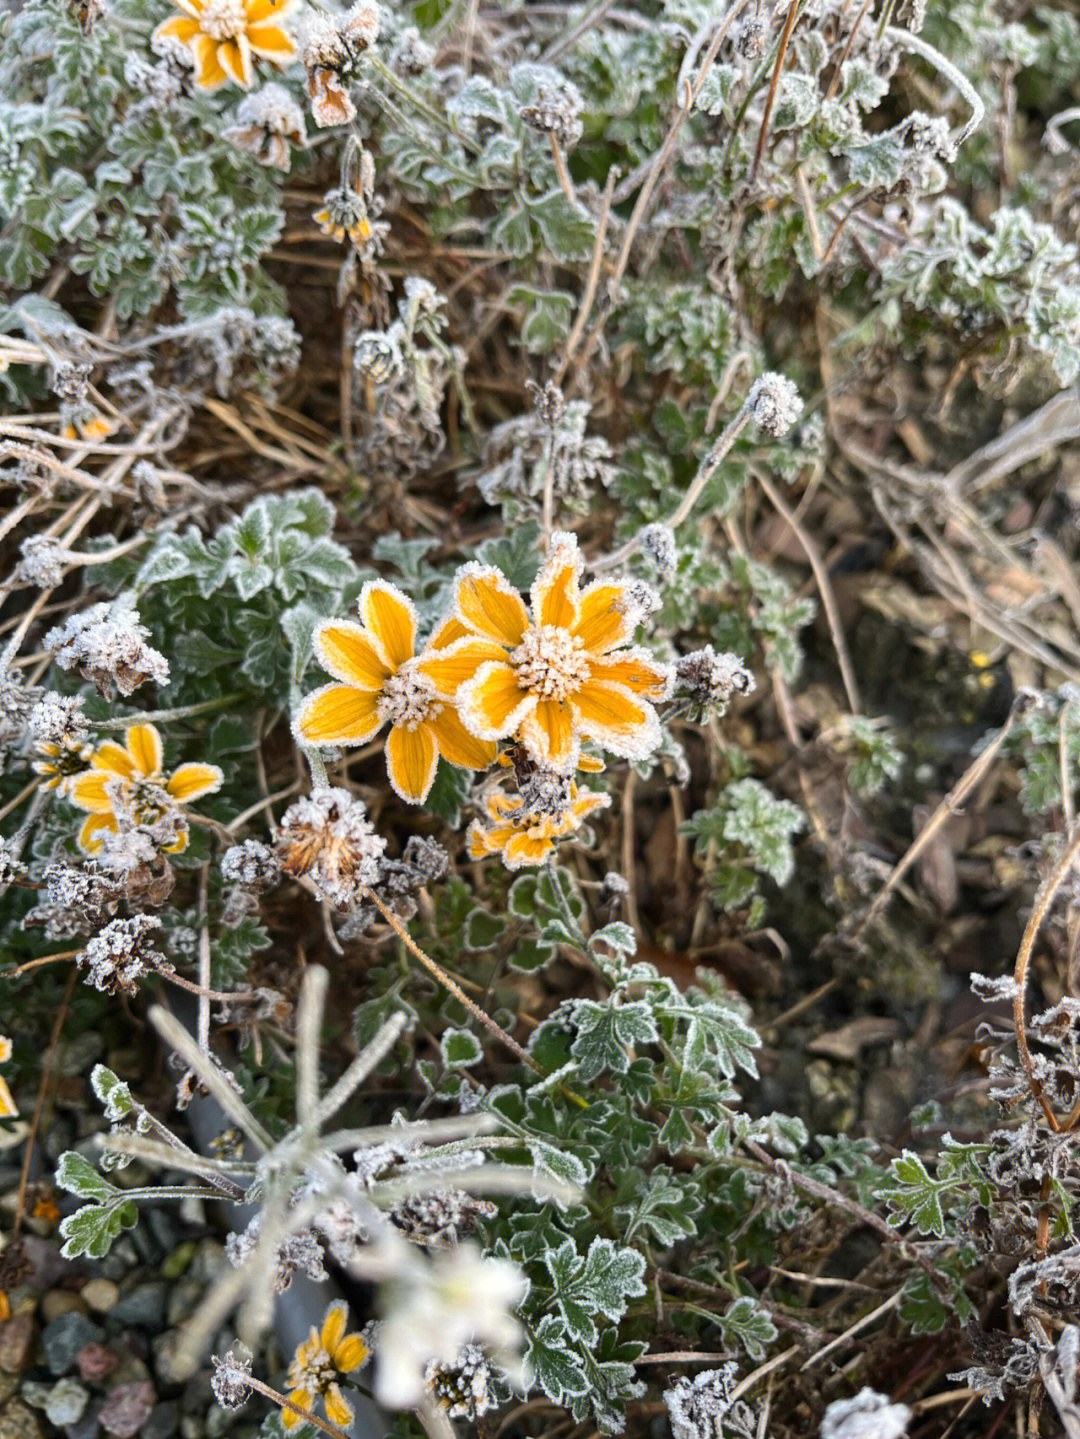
381,681
61,763
316,1364
560,677
132,777
86,423
8,1108
521,836
223,35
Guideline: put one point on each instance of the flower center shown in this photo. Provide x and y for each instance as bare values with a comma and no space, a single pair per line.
550,662
223,19
318,1372
408,698
147,802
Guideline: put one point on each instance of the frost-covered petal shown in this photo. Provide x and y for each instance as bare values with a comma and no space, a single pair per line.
457,745
449,668
8,1108
548,734
489,604
333,1327
526,848
181,27
115,759
352,654
637,671
412,757
606,618
192,781
145,747
210,74
391,618
616,719
446,632
338,714
271,42
555,592
303,1400
491,704
88,838
88,792
350,1354
259,11
234,56
338,1411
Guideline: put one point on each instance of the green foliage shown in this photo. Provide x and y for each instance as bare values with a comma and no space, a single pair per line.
748,834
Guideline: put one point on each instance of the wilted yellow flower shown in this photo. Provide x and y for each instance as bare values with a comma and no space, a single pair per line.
381,681
317,1363
130,777
557,678
224,35
521,834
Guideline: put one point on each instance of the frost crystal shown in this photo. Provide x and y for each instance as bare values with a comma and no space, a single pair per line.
43,562
328,839
58,719
774,404
107,644
658,542
465,1388
231,1375
868,1416
697,1406
16,702
118,957
265,123
441,1219
252,864
300,1252
11,866
705,682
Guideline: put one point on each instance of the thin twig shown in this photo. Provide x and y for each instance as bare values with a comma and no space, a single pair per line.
774,85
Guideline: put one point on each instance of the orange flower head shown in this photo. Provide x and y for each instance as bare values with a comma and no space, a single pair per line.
523,829
224,36
318,1363
381,681
566,673
60,762
129,780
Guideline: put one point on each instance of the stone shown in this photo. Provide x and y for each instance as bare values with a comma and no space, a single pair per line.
18,1421
126,1409
35,1394
143,1307
130,1370
64,1337
163,1421
210,1261
60,1301
183,1299
164,1228
47,1268
17,1342
66,1403
179,1260
88,1426
164,1348
95,1363
100,1295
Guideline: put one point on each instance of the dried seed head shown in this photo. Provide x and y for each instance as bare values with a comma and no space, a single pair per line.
774,404
548,402
118,957
107,645
705,682
58,719
466,1387
251,864
658,542
230,1382
327,839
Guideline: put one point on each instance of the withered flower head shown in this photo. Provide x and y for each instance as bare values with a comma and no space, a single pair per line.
265,124
327,839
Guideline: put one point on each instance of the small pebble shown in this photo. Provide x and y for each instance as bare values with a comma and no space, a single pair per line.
60,1301
101,1294
17,1342
94,1362
179,1260
64,1337
164,1420
86,1427
66,1403
126,1409
143,1307
18,1421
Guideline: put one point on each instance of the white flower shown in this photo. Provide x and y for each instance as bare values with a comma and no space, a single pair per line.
434,1307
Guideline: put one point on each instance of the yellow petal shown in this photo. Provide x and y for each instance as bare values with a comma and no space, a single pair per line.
271,42
88,792
491,705
181,27
488,604
411,760
144,746
88,837
457,745
524,848
8,1108
449,668
192,781
348,652
614,718
446,632
337,1410
112,757
289,1420
639,672
235,59
590,764
350,1354
259,11
391,618
338,714
478,841
555,593
333,1325
605,619
5,1049
548,734
209,72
